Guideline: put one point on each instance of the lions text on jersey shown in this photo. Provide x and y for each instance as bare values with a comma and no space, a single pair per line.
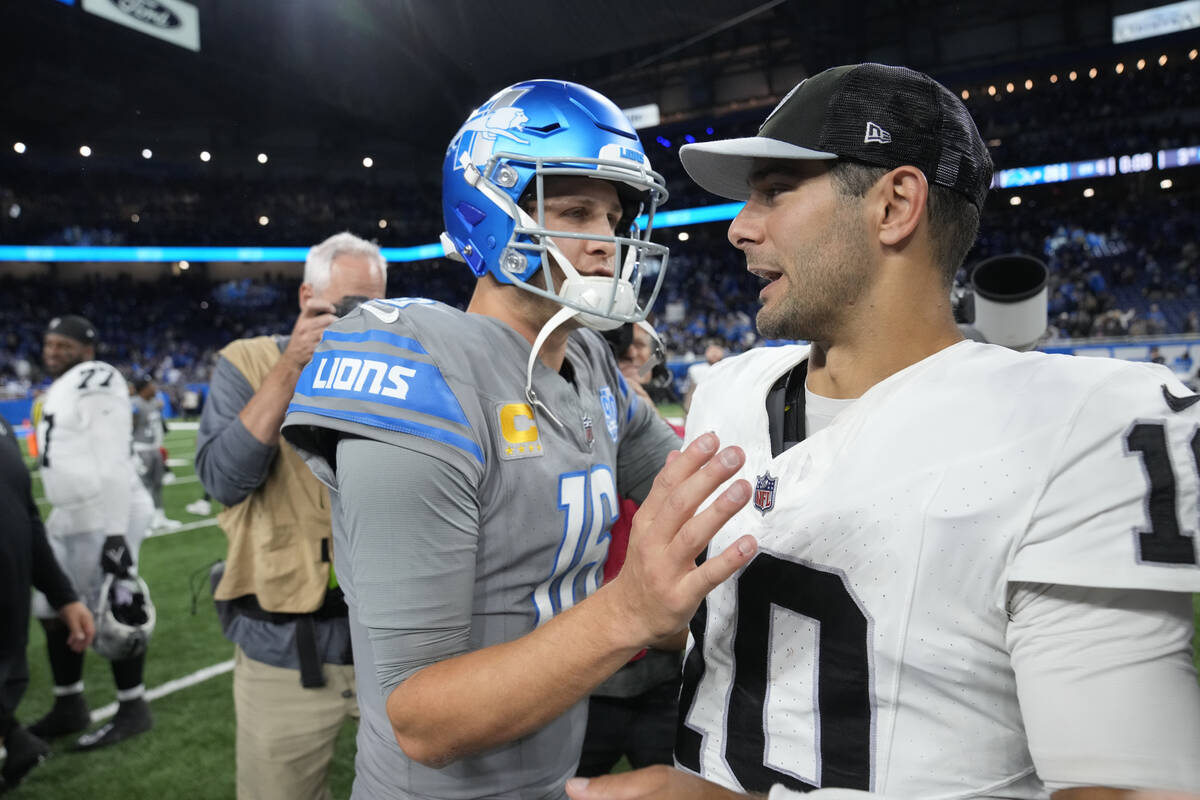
428,379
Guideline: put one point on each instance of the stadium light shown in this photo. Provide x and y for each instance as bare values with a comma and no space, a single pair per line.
1120,67
684,236
368,162
1028,84
1162,60
135,218
991,91
1192,54
1093,72
262,158
1010,87
205,155
1072,76
1054,78
146,152
1166,183
1089,192
1015,200
382,224
19,147
85,151
264,220
966,95
14,211
1141,64
183,265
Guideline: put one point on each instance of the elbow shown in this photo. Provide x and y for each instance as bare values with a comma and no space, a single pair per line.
428,753
420,736
221,491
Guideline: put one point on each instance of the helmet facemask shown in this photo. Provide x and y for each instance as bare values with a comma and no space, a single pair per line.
639,264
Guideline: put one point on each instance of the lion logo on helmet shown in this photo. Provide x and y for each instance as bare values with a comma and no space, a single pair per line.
496,120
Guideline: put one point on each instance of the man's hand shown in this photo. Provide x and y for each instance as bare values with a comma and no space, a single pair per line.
81,628
115,558
306,333
660,585
660,783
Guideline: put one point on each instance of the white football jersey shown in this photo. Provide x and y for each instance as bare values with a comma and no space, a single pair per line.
864,645
85,446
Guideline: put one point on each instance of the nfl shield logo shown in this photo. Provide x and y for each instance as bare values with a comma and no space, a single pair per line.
764,492
588,436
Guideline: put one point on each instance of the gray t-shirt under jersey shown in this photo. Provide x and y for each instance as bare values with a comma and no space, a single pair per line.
462,516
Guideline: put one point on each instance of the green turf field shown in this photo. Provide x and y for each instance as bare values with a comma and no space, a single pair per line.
190,752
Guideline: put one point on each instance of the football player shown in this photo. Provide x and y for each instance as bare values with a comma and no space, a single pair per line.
148,429
477,459
100,515
975,564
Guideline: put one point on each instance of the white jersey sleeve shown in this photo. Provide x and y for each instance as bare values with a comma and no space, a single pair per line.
1120,709
85,440
1119,508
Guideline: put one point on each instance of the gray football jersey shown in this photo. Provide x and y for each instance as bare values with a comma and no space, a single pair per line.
147,421
432,379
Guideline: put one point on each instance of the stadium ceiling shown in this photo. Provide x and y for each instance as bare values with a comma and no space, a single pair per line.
326,74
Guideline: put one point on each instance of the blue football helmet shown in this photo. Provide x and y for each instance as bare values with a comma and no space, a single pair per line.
500,155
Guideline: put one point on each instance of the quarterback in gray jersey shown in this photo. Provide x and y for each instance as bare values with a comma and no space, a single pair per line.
476,461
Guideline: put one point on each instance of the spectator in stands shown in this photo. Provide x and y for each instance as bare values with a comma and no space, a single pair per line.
26,561
293,678
1156,321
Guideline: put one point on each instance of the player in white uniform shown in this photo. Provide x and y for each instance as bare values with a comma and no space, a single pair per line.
974,565
100,516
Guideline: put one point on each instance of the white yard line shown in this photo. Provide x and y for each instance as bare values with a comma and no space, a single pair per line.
183,426
211,522
170,687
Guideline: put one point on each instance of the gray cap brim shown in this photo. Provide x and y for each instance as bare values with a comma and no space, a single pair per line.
724,167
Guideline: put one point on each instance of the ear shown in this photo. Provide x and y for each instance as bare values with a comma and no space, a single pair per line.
306,293
905,193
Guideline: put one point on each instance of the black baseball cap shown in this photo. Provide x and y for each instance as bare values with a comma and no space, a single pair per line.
868,113
74,327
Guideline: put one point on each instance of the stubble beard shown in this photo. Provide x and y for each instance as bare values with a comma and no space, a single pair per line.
827,279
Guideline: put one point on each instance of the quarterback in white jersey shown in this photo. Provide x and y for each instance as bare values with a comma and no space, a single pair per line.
100,515
974,565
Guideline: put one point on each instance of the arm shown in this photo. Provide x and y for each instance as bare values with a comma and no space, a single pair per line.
263,415
1107,687
450,708
239,428
230,461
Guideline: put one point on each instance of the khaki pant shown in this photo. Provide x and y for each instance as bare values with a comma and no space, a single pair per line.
286,733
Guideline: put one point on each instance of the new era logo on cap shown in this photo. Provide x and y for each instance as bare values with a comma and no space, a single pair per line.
876,134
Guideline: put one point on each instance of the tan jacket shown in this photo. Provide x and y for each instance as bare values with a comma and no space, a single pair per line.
280,543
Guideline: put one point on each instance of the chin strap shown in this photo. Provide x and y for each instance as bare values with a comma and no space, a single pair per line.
551,325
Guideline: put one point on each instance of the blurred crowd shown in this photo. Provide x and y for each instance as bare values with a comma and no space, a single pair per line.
1125,262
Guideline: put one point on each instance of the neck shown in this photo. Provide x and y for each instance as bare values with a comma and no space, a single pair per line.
899,323
525,313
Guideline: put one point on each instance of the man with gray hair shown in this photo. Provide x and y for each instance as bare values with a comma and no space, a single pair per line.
278,599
